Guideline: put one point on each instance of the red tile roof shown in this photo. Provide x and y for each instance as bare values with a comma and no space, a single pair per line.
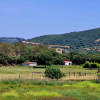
28,62
67,61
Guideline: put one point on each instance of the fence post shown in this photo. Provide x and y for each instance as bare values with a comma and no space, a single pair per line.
40,75
79,73
74,74
98,77
85,74
19,76
76,77
32,75
69,74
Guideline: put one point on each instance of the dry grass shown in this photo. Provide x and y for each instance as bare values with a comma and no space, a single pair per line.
41,76
66,70
22,68
80,78
27,73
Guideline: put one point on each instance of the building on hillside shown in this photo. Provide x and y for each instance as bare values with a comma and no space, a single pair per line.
29,64
67,62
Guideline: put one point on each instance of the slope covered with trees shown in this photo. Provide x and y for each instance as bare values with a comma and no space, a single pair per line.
82,39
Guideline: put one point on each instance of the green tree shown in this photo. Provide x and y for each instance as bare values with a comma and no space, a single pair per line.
86,64
53,72
44,58
58,60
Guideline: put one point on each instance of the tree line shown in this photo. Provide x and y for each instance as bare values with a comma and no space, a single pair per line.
18,53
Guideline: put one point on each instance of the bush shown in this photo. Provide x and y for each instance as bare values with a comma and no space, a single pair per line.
99,74
94,65
53,72
91,65
87,64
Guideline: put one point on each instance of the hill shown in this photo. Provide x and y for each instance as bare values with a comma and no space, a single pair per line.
11,39
88,40
82,41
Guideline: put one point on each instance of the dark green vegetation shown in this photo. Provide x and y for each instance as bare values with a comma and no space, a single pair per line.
11,39
78,41
87,64
18,52
49,57
40,89
53,72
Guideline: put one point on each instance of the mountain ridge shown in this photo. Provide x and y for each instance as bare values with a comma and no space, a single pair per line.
87,40
68,38
77,41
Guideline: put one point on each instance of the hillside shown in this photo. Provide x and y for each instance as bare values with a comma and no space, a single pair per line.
77,41
82,41
11,39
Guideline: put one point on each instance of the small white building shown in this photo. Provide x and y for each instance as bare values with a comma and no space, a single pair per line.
67,62
29,64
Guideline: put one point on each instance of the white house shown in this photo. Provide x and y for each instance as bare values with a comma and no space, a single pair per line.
29,64
67,62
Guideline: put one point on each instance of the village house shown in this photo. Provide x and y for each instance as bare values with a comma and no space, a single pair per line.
67,62
29,64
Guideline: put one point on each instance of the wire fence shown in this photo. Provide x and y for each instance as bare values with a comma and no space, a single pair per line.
41,75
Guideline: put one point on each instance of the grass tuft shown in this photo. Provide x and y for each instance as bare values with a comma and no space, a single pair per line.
43,94
9,95
84,84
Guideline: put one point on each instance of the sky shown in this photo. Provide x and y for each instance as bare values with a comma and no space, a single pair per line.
32,18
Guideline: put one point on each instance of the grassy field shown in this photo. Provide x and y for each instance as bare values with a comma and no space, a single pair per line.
49,90
23,83
30,73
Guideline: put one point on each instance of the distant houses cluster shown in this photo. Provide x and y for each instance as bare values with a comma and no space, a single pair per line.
35,63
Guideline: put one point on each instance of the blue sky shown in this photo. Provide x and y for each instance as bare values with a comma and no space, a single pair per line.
33,18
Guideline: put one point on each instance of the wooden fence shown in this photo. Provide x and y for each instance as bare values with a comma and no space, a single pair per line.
41,75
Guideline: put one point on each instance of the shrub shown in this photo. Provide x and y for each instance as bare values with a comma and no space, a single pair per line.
87,64
94,65
91,65
99,74
53,72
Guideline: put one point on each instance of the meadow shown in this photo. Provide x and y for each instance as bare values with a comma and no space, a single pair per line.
19,89
17,83
72,72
